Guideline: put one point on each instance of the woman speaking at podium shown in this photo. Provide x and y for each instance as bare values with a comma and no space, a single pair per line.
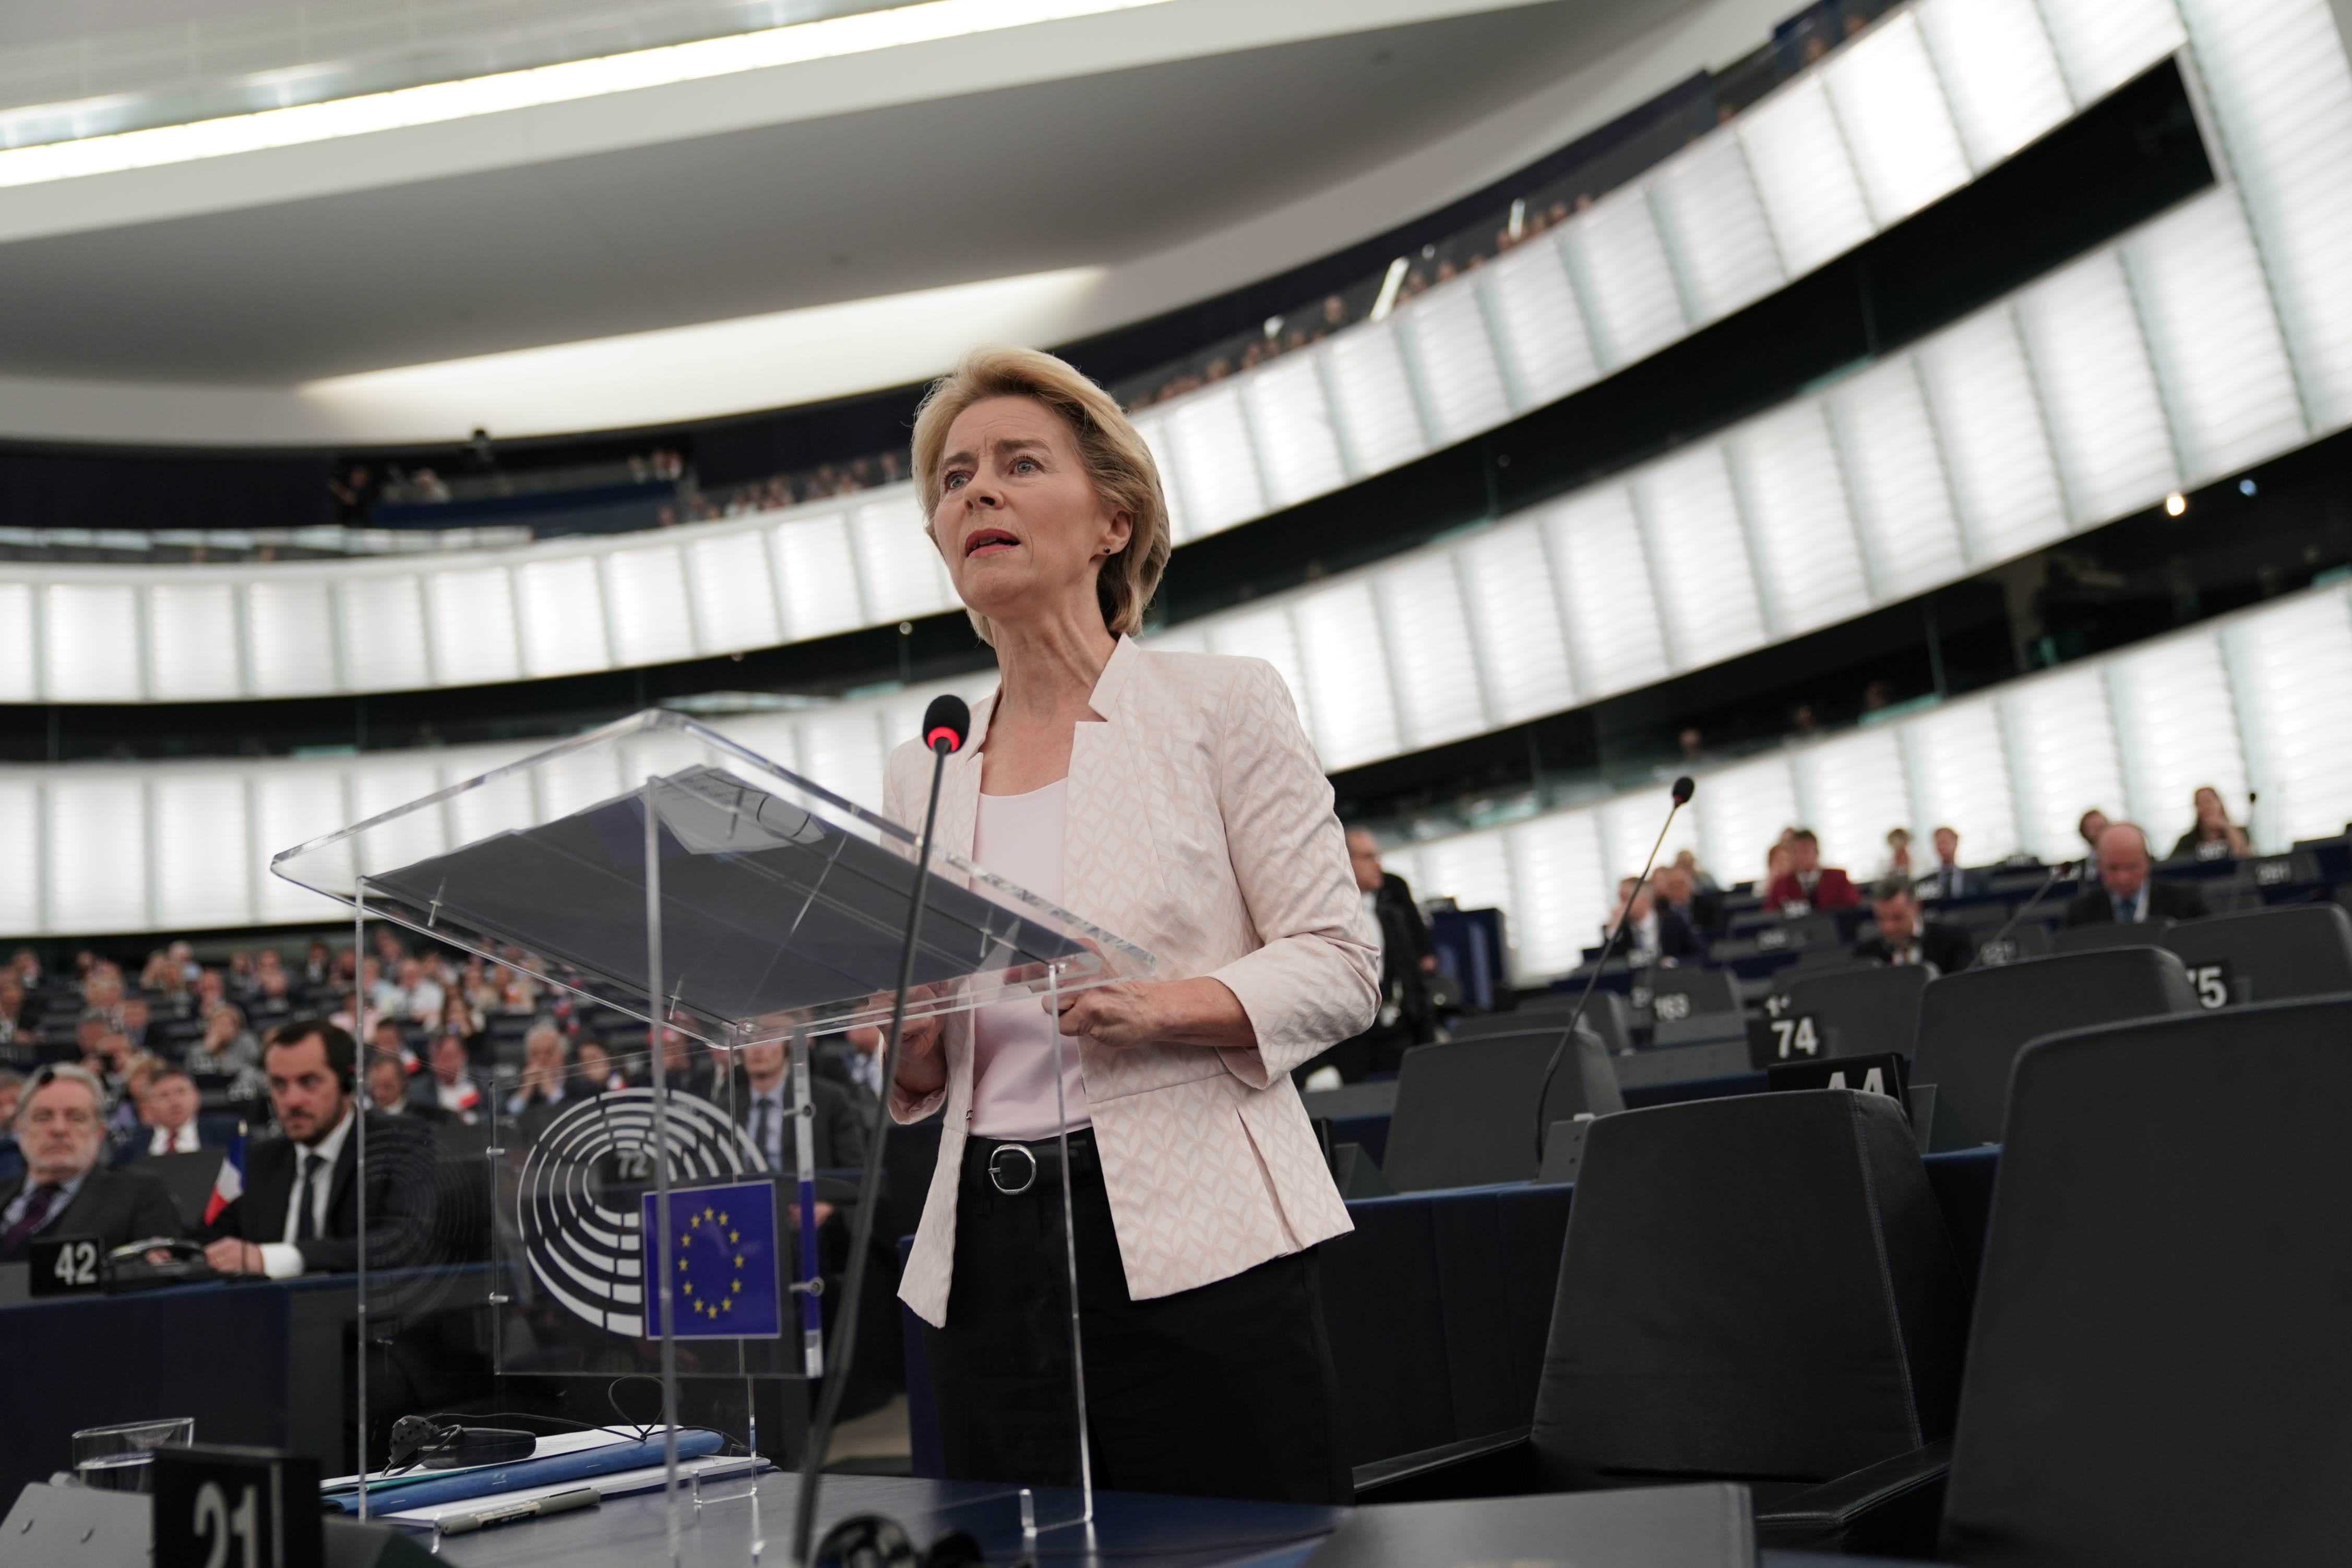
1174,800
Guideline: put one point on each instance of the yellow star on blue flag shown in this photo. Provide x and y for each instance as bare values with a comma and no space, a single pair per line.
721,1264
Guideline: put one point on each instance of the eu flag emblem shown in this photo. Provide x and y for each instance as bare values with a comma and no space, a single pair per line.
721,1264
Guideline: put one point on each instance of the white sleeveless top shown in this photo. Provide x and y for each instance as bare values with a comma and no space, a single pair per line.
1018,837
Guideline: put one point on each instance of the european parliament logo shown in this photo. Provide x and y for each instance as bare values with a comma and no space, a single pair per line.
721,1263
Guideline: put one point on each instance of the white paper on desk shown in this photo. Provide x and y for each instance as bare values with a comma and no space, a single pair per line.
617,1484
548,1446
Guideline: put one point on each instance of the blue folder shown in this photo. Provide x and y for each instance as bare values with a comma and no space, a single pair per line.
425,1487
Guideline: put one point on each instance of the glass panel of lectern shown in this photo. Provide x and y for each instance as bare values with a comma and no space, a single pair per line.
656,927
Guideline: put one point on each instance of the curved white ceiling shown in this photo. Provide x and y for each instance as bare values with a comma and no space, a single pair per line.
1181,149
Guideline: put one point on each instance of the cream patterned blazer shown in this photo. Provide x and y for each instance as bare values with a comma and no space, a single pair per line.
1199,826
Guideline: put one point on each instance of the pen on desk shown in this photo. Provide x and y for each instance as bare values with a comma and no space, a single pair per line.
562,1503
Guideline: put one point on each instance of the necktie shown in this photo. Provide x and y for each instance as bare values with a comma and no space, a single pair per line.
37,1209
306,1222
762,1127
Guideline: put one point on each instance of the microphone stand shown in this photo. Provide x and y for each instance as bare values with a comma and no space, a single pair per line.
2027,907
1682,792
869,1185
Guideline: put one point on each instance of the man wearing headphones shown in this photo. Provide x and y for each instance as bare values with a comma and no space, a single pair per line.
299,1211
61,1127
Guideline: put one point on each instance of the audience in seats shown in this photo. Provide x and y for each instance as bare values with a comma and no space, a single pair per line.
1898,854
546,1084
2088,827
595,1070
1679,899
167,1117
449,1086
387,1091
1407,1018
2212,836
1903,937
1947,880
1808,886
2126,892
1655,931
299,1211
769,1112
65,1190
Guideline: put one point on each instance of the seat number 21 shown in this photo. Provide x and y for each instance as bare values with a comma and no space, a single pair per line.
223,1528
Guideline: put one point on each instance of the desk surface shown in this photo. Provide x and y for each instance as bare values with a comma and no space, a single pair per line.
1131,1529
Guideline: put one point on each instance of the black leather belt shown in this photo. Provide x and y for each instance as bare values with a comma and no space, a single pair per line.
1014,1169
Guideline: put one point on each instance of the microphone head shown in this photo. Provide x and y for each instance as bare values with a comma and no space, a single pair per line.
947,720
1683,789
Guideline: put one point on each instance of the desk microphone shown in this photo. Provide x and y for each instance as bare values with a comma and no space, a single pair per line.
1683,790
946,725
2027,907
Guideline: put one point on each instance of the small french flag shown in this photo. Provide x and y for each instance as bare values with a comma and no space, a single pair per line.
229,1186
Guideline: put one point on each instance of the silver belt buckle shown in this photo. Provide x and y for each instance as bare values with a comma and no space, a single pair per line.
996,1171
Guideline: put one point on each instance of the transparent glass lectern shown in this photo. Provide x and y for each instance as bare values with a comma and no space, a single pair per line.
590,1218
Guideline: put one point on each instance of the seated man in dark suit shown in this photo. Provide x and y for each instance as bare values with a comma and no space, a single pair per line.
1902,937
387,1091
299,1211
1657,930
2125,894
168,1120
766,1109
65,1191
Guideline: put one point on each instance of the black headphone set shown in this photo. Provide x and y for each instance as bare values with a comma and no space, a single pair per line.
439,1443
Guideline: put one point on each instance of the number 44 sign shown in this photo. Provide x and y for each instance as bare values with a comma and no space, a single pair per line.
222,1507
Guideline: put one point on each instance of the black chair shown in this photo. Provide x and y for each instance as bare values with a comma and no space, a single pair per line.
1465,1110
1607,1016
2109,933
2158,1370
2294,950
1972,1024
1756,1289
1861,1013
1682,992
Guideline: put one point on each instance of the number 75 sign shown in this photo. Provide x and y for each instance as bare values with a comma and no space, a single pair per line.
223,1507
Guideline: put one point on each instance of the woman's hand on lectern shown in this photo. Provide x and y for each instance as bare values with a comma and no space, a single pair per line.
922,1066
1201,1011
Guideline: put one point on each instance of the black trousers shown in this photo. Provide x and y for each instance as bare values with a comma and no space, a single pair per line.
1222,1391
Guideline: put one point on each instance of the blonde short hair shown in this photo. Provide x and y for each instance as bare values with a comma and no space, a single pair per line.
1114,452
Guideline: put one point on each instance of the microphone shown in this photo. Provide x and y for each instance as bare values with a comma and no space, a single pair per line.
2026,908
946,725
1681,792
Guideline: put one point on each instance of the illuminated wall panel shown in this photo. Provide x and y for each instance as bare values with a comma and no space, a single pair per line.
1298,448
1460,375
2000,73
561,603
1603,575
1897,129
1801,167
1627,283
1990,426
1542,328
193,641
1506,582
